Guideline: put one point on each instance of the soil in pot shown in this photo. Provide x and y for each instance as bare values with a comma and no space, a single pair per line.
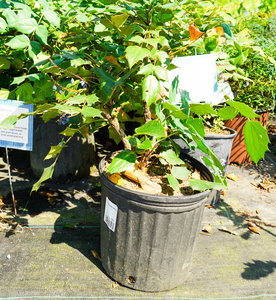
148,241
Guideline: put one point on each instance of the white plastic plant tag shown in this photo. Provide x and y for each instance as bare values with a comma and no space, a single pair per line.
110,214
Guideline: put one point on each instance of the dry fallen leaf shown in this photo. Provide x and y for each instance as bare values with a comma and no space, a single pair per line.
95,254
233,177
209,206
116,178
114,285
223,193
229,231
270,224
207,228
251,224
254,229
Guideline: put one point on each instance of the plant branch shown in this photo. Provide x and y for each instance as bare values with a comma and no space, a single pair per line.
116,125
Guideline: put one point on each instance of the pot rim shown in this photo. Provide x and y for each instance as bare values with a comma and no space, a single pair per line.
165,199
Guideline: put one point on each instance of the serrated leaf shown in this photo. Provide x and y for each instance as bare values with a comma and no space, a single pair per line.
69,131
19,42
26,25
243,109
147,144
171,157
42,34
51,17
80,99
256,140
122,161
203,109
146,70
152,128
67,109
47,174
180,172
135,54
152,42
150,89
227,113
53,152
202,185
173,182
91,99
91,112
161,73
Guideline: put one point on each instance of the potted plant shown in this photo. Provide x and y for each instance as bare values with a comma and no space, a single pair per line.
119,53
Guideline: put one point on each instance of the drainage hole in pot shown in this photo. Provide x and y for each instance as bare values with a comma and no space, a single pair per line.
131,279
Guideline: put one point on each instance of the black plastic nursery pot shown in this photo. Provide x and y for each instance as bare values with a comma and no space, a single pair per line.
221,145
148,241
74,161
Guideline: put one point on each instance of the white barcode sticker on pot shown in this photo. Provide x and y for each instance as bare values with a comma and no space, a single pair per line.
110,214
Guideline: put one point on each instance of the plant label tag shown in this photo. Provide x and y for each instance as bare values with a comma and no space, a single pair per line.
110,214
20,136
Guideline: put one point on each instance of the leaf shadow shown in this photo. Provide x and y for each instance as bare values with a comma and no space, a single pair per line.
258,269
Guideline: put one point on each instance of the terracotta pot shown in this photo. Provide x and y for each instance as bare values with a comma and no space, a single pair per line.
238,153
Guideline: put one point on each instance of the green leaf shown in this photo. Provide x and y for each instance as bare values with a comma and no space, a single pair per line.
150,89
122,161
161,73
34,49
256,140
243,109
3,4
119,20
173,89
91,99
210,43
55,150
70,110
51,17
4,63
26,25
146,70
50,115
202,109
171,157
10,16
226,29
80,99
47,174
146,144
180,172
24,92
152,42
175,111
3,25
135,54
4,94
19,42
42,34
162,56
173,182
91,112
9,122
227,113
152,128
32,77
69,131
202,185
